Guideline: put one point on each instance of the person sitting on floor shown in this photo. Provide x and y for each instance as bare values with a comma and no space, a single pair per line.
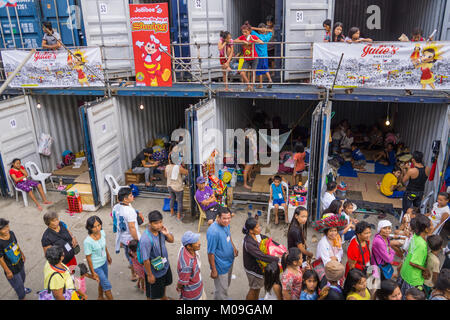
207,200
389,185
20,178
358,158
278,197
387,156
140,165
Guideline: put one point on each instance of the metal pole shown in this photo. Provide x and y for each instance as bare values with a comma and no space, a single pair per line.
19,26
15,72
335,77
10,27
209,48
3,36
71,25
57,18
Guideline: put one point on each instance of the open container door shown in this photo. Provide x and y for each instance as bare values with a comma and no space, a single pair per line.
105,146
318,164
17,134
303,22
206,20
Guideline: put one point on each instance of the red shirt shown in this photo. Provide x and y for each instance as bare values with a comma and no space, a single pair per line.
249,51
18,173
189,276
300,157
354,253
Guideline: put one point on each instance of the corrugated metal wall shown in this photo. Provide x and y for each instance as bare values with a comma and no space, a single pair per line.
160,116
58,116
367,113
397,17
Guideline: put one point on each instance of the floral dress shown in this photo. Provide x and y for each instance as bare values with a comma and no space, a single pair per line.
292,282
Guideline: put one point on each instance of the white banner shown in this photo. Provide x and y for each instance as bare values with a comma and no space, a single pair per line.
56,68
392,65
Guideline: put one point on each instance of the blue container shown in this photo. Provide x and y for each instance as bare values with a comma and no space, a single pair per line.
179,27
23,28
63,16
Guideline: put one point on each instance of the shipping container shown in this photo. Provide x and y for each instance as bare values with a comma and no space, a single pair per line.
417,124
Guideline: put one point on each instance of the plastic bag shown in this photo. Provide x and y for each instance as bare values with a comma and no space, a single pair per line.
45,144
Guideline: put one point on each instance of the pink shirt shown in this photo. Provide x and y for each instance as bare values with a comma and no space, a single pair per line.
80,284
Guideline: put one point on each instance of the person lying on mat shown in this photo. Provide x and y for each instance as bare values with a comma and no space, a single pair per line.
358,158
390,185
20,177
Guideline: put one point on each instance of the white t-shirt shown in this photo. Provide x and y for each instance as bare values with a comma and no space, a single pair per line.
327,199
129,215
325,251
437,213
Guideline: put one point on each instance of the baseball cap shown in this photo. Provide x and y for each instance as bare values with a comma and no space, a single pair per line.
200,180
189,237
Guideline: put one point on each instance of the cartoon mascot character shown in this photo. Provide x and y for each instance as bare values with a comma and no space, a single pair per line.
151,56
77,63
430,54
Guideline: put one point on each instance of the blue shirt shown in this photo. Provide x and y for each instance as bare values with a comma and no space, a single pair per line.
277,192
261,49
219,244
151,251
96,249
392,159
358,155
307,296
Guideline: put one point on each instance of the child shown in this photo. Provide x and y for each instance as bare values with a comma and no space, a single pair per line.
310,286
81,273
355,286
434,245
405,227
278,197
291,279
417,35
415,294
327,27
358,158
348,212
272,282
346,141
387,156
389,184
299,162
250,54
354,36
338,35
440,211
264,35
138,268
226,51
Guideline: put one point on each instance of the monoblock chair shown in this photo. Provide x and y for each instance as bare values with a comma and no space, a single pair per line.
17,190
37,175
113,187
271,206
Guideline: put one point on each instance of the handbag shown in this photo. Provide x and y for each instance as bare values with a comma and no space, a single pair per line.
47,294
76,249
139,219
362,255
387,270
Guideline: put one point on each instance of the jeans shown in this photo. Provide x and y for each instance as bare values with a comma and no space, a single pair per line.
146,171
18,283
102,273
221,284
127,255
178,196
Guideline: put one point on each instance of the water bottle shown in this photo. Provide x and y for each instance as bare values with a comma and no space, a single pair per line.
233,179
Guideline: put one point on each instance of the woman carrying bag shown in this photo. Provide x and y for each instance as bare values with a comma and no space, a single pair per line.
382,253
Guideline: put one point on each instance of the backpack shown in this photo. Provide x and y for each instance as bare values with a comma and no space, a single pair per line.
68,157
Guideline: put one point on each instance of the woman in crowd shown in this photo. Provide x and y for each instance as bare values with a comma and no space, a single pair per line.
358,252
57,277
382,252
297,232
251,255
97,256
20,178
355,286
389,290
57,234
334,208
338,32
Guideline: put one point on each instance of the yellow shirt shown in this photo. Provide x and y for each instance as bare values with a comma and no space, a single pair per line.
57,281
358,297
388,181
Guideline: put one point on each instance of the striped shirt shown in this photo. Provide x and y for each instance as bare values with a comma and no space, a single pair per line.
189,276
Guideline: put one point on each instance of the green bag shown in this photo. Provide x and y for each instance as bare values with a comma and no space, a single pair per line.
157,263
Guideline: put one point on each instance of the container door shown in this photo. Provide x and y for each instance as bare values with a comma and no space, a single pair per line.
106,145
204,121
206,20
303,22
445,33
17,134
107,24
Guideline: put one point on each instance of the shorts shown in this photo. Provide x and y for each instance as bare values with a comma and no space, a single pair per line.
156,290
397,194
102,273
212,212
263,66
279,202
27,185
254,282
250,64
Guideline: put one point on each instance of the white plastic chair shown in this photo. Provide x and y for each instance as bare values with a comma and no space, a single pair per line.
438,230
271,206
17,190
423,205
113,187
37,175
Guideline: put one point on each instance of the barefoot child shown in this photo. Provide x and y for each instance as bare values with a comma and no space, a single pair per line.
264,34
434,247
226,51
278,197
138,268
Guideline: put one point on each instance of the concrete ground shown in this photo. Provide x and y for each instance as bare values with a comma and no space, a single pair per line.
28,225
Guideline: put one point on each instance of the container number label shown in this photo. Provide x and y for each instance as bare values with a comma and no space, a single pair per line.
198,4
104,127
103,7
299,16
13,123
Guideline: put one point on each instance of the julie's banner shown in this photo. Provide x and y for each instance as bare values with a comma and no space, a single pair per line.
151,44
55,69
391,65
